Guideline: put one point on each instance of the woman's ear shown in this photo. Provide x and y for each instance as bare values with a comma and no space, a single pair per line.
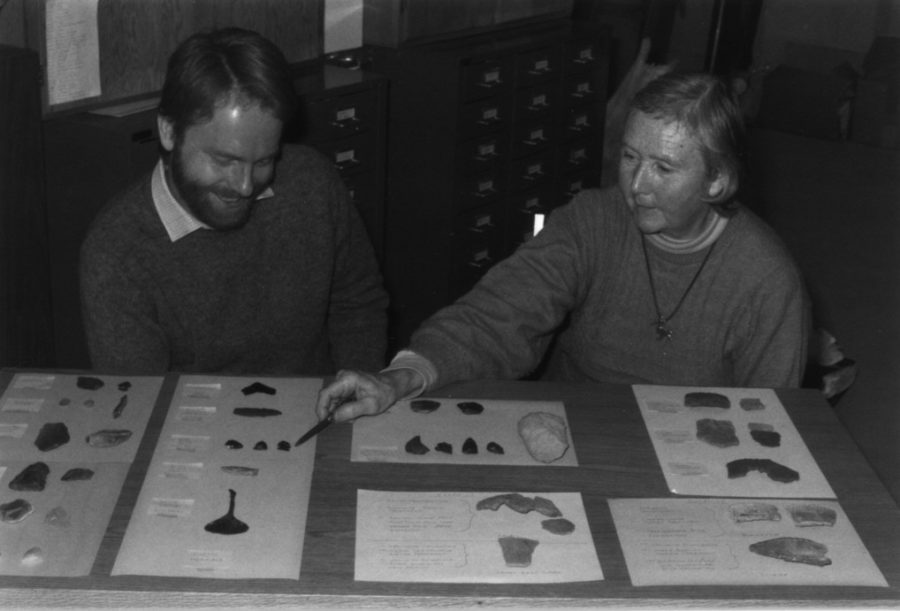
718,188
166,133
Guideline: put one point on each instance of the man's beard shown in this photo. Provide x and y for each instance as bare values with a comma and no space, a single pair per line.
198,199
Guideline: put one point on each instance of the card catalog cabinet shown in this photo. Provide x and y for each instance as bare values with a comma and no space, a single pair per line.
90,157
485,132
25,336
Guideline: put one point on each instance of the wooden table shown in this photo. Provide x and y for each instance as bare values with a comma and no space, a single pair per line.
616,459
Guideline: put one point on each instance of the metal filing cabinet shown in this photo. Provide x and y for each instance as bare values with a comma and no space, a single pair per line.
90,157
484,132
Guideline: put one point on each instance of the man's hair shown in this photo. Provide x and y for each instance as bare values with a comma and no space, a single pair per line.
210,69
705,105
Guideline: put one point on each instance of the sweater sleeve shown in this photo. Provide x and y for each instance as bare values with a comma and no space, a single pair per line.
504,325
357,319
119,319
776,328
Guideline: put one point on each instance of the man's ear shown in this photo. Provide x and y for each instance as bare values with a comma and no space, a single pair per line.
166,132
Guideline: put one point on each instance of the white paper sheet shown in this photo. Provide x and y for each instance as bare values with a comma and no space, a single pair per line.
707,541
695,467
73,50
205,451
443,537
34,400
61,535
384,438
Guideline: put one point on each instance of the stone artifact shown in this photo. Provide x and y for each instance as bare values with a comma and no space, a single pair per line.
228,524
793,549
545,436
51,436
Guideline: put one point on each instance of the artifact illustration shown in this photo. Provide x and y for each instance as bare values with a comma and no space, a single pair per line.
728,442
466,431
228,524
472,537
705,541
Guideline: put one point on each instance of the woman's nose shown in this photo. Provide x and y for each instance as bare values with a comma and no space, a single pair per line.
639,182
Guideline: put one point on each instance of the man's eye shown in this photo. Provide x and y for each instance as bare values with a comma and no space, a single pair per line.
664,169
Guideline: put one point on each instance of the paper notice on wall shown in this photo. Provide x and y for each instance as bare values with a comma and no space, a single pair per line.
73,51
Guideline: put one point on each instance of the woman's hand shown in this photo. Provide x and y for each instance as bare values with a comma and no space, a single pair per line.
356,393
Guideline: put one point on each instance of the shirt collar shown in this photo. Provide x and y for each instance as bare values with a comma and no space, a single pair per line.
178,221
710,234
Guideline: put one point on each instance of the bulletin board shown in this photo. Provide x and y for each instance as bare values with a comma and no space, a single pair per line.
134,38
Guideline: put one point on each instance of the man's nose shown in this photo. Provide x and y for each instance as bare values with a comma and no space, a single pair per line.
240,179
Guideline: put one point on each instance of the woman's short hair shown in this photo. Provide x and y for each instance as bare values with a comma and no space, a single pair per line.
210,69
705,105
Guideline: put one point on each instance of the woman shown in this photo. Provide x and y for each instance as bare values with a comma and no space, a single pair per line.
663,279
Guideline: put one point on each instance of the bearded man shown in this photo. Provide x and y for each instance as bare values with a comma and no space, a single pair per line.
237,253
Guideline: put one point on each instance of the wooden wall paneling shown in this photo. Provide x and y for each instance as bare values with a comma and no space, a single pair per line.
393,23
136,37
25,333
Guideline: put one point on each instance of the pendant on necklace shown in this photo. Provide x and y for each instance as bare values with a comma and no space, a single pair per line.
662,331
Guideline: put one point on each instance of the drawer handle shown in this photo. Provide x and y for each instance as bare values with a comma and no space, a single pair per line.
480,260
542,66
485,188
486,152
538,102
531,206
580,123
582,90
481,224
535,137
491,80
345,117
585,56
346,159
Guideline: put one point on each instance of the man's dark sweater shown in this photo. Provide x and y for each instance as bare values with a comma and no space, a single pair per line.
295,291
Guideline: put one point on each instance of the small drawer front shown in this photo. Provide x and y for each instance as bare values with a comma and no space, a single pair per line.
362,189
538,65
571,184
533,171
579,155
478,189
482,154
536,101
487,78
340,116
580,88
582,55
522,208
485,116
582,120
478,243
351,155
533,136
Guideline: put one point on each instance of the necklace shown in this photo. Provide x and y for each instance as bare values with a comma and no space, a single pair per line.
663,331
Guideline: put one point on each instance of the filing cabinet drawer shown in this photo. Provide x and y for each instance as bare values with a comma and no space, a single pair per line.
485,116
531,136
350,155
342,116
482,154
530,172
582,120
579,155
486,78
538,65
580,88
521,210
582,55
477,244
537,100
479,189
